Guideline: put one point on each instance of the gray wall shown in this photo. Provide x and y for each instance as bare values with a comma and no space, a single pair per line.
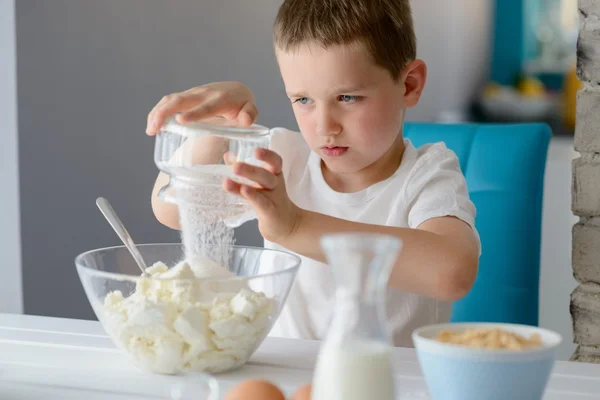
89,71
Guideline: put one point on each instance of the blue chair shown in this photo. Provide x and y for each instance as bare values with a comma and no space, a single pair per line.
504,165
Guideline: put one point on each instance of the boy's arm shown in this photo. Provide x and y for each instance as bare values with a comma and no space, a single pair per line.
166,213
439,259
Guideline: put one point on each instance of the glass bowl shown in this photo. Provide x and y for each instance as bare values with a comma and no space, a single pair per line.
173,321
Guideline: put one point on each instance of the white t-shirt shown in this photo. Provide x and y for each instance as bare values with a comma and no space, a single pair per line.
428,184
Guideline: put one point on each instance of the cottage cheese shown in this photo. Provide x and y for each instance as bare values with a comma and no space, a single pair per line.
174,322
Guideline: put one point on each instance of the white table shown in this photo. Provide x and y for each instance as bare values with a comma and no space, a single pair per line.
80,360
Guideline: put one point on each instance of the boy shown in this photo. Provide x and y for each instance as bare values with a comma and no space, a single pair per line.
350,71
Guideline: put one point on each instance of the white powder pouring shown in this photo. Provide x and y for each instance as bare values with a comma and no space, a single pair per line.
203,232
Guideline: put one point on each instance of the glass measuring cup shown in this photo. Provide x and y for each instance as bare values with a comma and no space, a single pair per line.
354,361
198,156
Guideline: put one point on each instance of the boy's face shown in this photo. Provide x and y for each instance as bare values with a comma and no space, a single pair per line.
349,110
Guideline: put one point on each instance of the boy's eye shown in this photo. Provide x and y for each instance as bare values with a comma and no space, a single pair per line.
347,98
302,100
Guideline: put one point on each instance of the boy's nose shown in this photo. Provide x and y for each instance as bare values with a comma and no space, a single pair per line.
327,124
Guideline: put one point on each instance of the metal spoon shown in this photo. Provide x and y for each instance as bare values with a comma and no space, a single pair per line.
114,221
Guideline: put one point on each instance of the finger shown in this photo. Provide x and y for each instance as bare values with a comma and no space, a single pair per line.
271,159
247,114
169,105
259,175
232,187
150,119
229,158
154,120
255,197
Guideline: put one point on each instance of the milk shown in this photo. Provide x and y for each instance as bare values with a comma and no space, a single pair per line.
355,370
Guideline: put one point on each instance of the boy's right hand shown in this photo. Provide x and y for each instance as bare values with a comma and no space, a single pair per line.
230,100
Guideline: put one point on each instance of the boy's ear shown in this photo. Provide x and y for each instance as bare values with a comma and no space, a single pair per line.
414,78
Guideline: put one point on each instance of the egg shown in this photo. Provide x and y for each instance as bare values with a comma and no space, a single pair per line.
255,389
303,393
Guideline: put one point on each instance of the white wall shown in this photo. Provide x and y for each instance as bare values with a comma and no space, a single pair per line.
454,39
556,281
10,238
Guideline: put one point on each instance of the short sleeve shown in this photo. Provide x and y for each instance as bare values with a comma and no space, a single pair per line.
436,187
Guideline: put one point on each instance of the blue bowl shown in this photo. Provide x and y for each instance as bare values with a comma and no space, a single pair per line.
454,372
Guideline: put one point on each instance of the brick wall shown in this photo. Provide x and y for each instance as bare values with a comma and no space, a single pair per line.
585,300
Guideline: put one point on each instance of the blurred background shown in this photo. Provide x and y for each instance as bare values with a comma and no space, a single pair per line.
77,79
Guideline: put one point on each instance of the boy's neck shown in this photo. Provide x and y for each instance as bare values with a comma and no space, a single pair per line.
380,170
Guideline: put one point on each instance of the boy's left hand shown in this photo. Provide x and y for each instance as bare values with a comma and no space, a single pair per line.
277,214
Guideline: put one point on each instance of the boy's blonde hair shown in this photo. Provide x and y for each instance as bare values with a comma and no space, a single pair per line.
385,27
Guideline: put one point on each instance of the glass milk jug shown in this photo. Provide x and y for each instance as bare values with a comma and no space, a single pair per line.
354,361
198,156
